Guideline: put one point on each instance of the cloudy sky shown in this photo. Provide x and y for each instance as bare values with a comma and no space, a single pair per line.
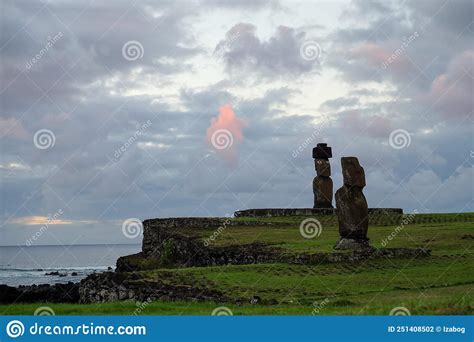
135,110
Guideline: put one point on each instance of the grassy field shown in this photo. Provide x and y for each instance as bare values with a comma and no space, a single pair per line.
441,284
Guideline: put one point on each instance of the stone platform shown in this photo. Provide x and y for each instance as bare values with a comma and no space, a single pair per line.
269,212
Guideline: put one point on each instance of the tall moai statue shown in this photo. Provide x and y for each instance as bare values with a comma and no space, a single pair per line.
351,207
322,183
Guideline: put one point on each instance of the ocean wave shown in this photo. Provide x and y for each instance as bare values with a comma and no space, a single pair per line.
48,269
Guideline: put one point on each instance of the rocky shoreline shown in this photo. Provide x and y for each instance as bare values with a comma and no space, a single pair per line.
57,293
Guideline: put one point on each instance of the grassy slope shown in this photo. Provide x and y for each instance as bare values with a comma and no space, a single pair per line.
441,284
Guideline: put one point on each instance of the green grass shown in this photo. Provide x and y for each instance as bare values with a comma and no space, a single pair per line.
441,284
438,301
440,233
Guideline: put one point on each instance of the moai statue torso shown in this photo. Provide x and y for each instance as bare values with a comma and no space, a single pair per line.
322,183
351,207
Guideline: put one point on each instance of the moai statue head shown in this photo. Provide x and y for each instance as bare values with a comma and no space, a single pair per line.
323,167
353,174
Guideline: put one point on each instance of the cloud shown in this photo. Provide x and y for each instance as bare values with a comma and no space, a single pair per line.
451,92
280,53
225,134
44,220
376,126
13,128
93,100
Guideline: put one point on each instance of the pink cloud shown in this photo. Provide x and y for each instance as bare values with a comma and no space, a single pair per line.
12,128
451,92
378,56
225,134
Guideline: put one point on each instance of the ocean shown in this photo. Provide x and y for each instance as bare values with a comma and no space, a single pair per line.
30,265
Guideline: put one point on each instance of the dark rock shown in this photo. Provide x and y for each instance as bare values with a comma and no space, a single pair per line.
322,190
9,294
54,273
74,274
272,302
342,302
58,293
113,286
352,173
255,300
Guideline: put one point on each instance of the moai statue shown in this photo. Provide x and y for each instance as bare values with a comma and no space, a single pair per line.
322,183
351,207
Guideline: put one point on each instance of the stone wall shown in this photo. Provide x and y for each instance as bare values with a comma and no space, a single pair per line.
110,286
270,212
166,241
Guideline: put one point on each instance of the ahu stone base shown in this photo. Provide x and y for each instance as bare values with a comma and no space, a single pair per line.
270,212
353,244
